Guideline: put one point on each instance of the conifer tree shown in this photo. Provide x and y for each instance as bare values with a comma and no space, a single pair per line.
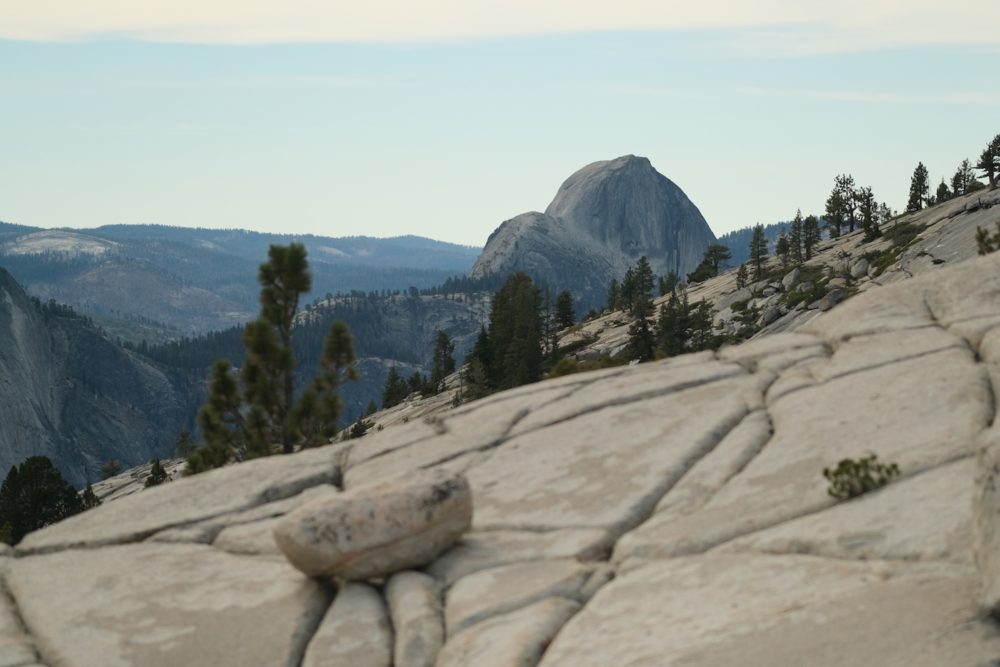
314,417
250,416
711,262
564,310
868,210
34,495
810,235
782,249
758,251
943,192
834,213
515,333
741,276
614,295
844,185
672,325
443,362
964,181
157,474
919,189
395,390
88,498
795,238
989,161
669,283
641,342
628,290
642,295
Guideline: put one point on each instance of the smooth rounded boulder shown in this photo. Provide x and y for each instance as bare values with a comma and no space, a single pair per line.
376,530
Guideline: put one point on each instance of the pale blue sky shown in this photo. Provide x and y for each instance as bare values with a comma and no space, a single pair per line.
449,137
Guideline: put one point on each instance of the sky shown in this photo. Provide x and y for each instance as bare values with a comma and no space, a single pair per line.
444,118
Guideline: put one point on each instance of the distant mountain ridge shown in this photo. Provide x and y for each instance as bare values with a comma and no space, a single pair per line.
198,280
602,219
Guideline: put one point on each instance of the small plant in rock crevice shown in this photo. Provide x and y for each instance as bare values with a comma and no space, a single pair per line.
852,478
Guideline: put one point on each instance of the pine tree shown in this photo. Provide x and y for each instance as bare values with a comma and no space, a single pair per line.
268,375
834,213
88,498
395,389
711,262
758,251
844,185
672,325
868,210
564,310
741,276
314,418
782,249
943,193
810,235
989,161
964,181
482,352
641,342
614,295
795,238
157,475
184,445
443,361
248,416
642,295
628,290
34,495
919,189
669,283
516,333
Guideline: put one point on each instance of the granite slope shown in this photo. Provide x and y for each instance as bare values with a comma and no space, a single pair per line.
672,513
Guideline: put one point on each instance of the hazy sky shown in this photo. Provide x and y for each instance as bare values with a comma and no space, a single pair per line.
445,117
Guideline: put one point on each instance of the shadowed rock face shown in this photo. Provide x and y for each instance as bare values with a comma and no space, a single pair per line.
68,393
603,218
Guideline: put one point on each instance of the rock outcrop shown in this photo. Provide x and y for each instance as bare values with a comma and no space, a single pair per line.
377,530
670,513
603,218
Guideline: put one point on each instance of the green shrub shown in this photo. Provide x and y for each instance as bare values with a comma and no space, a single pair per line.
902,234
851,478
569,366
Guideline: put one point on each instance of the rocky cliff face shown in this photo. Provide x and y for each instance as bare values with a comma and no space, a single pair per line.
68,393
662,514
603,218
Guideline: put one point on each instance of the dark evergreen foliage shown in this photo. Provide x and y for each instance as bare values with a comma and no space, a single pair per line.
852,478
919,189
989,161
565,315
758,251
396,389
157,475
33,496
810,235
987,243
711,263
443,363
250,416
